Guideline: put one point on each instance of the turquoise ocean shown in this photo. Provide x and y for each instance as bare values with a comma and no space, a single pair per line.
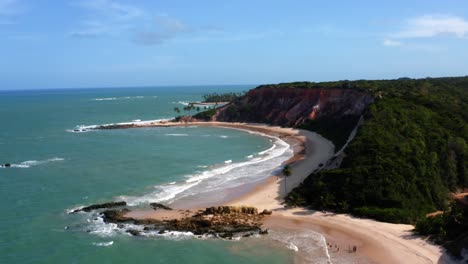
55,170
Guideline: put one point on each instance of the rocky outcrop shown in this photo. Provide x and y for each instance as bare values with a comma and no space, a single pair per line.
231,210
100,206
221,221
292,106
157,206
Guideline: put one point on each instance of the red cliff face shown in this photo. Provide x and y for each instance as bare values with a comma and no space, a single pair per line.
289,106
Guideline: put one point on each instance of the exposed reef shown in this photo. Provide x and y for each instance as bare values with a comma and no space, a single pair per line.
222,221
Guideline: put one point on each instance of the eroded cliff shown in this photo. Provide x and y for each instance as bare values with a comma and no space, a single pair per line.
291,106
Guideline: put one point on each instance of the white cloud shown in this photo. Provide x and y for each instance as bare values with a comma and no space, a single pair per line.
434,25
392,43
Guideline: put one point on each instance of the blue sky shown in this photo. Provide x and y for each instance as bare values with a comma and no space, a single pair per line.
107,43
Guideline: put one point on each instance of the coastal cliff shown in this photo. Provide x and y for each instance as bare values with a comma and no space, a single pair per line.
333,112
292,106
408,154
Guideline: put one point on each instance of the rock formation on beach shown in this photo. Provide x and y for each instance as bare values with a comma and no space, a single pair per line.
221,221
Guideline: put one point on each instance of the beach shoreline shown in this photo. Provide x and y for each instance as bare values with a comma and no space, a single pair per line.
375,242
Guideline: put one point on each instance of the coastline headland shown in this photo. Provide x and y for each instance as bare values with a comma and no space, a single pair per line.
346,236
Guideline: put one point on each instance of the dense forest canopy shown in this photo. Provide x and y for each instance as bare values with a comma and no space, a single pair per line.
407,156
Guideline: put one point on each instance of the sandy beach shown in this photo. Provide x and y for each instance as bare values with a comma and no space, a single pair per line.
375,241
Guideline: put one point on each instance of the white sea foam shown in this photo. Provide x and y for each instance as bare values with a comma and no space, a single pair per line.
221,176
176,135
310,245
104,244
163,193
182,102
96,226
87,128
292,247
223,136
250,156
31,163
120,98
105,99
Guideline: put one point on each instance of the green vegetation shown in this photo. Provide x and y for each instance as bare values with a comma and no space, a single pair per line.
205,115
336,130
407,156
225,97
449,228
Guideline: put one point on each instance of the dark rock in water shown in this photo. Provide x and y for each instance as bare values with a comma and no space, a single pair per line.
133,232
266,212
158,205
100,206
7,165
263,232
115,216
162,231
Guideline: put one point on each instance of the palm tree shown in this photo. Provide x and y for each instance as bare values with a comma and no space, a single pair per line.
177,110
286,172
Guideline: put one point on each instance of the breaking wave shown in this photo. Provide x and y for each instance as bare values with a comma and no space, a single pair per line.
120,98
225,174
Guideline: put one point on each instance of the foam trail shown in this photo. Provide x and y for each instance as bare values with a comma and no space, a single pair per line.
31,163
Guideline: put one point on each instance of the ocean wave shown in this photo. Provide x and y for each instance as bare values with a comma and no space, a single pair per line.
104,244
182,103
292,247
96,226
31,163
163,193
105,99
176,135
119,98
310,245
220,176
88,128
223,136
